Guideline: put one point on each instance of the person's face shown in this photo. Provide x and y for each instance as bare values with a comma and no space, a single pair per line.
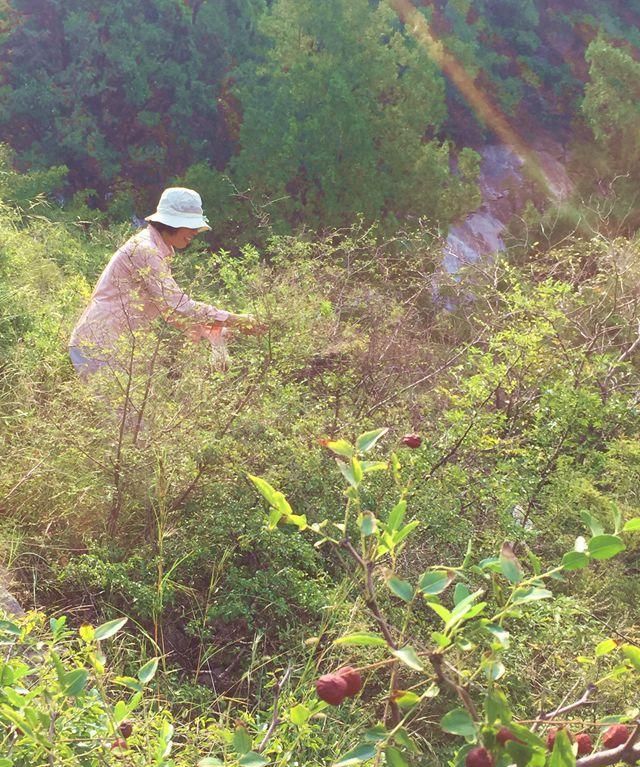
180,238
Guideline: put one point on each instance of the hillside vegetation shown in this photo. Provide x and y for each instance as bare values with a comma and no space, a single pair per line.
429,479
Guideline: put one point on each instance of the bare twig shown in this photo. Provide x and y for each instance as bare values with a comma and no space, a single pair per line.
275,719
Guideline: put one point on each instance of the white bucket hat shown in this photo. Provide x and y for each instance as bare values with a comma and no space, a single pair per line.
180,207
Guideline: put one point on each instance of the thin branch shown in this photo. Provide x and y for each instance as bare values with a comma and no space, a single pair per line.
275,719
582,701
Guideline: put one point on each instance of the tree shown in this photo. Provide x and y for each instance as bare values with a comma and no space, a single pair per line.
120,91
339,118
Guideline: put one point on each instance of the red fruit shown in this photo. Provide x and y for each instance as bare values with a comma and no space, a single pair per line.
412,440
616,735
479,757
119,743
352,678
332,688
585,746
126,728
504,734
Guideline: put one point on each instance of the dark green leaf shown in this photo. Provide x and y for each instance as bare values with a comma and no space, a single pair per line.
396,515
109,628
400,588
394,757
75,681
361,753
241,741
632,653
251,759
148,671
409,657
562,754
435,582
605,546
592,523
575,560
458,722
532,594
366,441
509,564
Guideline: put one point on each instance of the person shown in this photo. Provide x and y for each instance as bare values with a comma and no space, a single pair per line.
136,287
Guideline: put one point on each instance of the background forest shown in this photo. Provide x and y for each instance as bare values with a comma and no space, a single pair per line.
432,477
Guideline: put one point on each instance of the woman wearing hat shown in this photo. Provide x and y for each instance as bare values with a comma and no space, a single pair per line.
137,286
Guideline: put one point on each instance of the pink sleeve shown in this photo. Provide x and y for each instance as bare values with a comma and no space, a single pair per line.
154,273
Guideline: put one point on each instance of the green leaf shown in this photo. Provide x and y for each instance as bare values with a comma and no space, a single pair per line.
299,714
531,594
605,647
433,583
264,488
496,706
120,711
498,634
370,466
400,588
75,681
251,759
409,657
509,564
341,447
375,734
6,762
361,753
440,610
605,546
575,560
406,699
459,722
394,757
241,741
366,441
368,523
460,592
129,682
109,628
210,761
348,473
8,627
632,526
361,639
494,670
592,523
562,754
406,530
632,653
396,515
148,671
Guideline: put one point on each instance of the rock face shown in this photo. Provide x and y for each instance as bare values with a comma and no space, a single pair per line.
8,603
505,189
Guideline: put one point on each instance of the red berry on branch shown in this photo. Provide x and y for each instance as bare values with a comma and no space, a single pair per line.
585,746
126,728
479,757
352,678
504,734
616,735
119,743
412,440
332,688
